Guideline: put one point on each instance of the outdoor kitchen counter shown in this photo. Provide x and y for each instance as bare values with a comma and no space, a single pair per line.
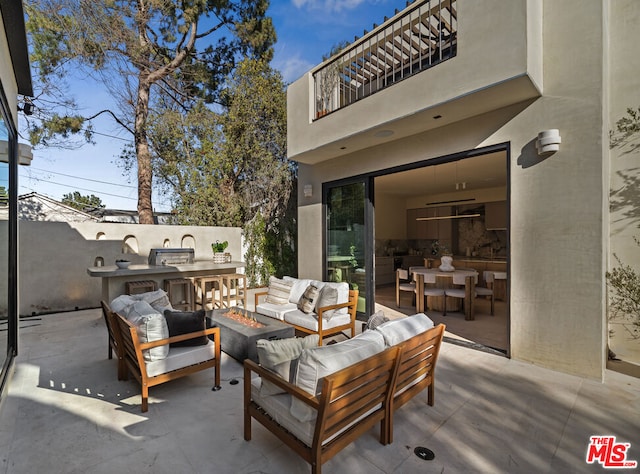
114,278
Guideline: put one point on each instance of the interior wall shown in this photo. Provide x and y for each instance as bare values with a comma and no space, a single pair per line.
391,217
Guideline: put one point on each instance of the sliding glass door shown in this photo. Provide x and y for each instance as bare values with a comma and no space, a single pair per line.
348,237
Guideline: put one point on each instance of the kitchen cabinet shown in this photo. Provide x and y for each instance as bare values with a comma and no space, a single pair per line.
495,215
385,274
437,229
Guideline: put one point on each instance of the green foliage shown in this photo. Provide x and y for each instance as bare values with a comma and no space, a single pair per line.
82,203
624,291
229,167
150,55
219,247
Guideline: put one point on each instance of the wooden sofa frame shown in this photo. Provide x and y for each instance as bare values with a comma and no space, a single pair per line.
338,407
112,341
342,406
131,349
326,332
417,362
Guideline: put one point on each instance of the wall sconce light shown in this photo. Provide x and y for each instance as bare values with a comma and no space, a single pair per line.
548,141
308,190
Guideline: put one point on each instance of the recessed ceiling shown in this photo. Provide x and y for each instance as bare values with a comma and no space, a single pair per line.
481,172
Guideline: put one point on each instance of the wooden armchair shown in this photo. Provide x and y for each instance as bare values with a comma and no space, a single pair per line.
112,340
181,361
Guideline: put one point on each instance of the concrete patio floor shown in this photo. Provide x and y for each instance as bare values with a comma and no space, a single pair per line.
66,412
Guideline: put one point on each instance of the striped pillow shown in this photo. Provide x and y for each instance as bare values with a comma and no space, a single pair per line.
279,291
308,300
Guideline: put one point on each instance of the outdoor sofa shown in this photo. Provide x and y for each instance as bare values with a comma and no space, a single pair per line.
340,391
310,306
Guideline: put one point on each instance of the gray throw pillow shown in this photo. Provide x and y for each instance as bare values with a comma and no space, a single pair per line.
328,297
281,357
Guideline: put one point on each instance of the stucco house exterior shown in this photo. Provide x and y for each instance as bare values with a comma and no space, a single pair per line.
452,104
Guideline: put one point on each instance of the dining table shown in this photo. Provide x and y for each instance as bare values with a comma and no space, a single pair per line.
446,279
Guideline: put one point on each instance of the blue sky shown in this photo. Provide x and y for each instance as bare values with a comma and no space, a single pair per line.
306,30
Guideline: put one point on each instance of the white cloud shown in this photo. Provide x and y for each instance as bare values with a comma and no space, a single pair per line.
291,67
327,6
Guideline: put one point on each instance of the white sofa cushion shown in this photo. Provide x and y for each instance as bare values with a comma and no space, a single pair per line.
279,291
180,357
399,330
317,362
281,357
276,311
310,321
277,406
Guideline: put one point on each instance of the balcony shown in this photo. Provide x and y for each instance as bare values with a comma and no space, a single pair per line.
414,40
433,64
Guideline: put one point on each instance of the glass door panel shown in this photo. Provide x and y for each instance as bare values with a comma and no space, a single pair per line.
346,238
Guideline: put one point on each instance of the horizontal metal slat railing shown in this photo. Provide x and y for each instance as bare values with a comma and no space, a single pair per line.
423,35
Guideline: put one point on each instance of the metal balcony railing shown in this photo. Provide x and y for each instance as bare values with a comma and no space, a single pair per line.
421,36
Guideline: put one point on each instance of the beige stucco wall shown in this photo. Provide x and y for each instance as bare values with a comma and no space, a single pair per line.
496,53
54,257
624,92
558,216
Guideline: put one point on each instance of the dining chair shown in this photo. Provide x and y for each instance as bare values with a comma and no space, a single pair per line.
404,282
457,292
487,276
430,279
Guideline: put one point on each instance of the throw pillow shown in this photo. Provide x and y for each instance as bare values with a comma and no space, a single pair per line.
279,291
150,326
328,296
180,322
158,299
307,301
375,320
281,357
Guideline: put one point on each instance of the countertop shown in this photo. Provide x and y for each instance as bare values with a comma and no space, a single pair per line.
145,269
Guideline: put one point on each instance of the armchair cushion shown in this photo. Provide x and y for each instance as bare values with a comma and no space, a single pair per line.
179,322
281,357
151,326
310,321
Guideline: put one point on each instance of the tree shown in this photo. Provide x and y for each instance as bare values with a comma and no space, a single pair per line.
145,54
82,203
230,167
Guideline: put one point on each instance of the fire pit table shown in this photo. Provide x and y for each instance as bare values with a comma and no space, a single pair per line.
238,338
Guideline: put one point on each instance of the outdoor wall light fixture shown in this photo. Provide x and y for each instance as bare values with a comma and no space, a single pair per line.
308,190
548,141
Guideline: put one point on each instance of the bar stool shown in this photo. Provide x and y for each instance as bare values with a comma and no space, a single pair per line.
235,286
206,287
140,286
180,292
